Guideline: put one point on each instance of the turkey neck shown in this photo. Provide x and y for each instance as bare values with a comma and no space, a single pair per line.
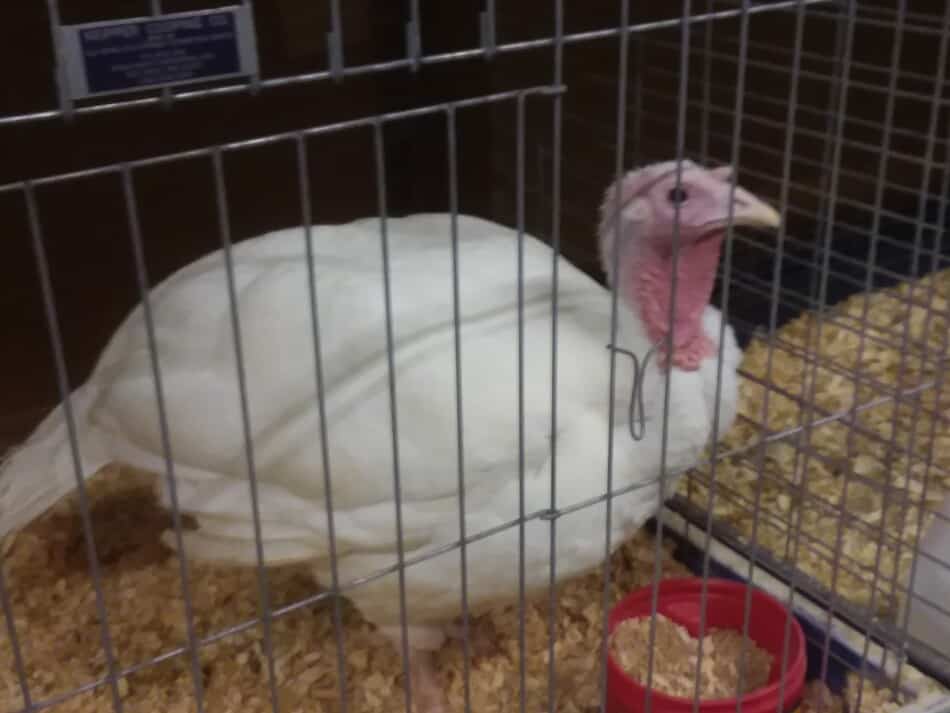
647,284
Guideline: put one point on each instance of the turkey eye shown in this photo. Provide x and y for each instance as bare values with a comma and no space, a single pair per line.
677,195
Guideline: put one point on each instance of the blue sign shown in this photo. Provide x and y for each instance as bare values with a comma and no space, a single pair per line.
159,51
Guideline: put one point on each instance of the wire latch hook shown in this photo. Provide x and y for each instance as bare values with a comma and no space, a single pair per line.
636,413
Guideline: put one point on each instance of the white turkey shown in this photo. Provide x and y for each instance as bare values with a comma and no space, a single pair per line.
117,418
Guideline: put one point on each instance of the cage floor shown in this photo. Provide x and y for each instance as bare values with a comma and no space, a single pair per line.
54,601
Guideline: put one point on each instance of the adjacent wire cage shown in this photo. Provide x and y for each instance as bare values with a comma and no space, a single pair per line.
820,494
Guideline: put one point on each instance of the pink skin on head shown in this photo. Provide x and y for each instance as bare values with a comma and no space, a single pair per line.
648,200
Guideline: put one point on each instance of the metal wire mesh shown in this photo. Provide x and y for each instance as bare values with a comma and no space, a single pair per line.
849,141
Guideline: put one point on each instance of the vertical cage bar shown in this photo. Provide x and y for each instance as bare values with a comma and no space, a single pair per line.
834,90
619,153
452,152
255,79
155,6
224,225
682,98
335,42
774,298
707,86
704,159
141,275
558,80
840,116
62,382
639,45
488,29
379,153
738,113
520,218
303,178
414,36
62,83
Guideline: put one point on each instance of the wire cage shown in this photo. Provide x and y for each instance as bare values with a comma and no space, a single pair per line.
522,113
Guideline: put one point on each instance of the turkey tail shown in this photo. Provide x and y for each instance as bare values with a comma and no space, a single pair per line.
37,474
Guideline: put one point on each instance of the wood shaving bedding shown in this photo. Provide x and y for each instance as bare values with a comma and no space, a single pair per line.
53,598
849,492
676,660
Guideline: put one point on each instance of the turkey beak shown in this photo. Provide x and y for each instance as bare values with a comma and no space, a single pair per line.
752,212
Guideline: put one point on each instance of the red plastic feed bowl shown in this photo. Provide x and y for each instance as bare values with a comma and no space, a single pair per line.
680,601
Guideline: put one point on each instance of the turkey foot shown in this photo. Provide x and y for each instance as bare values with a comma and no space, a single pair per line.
427,693
482,638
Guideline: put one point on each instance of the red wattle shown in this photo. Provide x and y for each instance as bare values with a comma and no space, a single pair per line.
649,282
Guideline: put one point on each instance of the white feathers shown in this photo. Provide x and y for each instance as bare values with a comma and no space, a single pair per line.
118,419
35,475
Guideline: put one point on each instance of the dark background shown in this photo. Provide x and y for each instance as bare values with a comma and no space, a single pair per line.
85,226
